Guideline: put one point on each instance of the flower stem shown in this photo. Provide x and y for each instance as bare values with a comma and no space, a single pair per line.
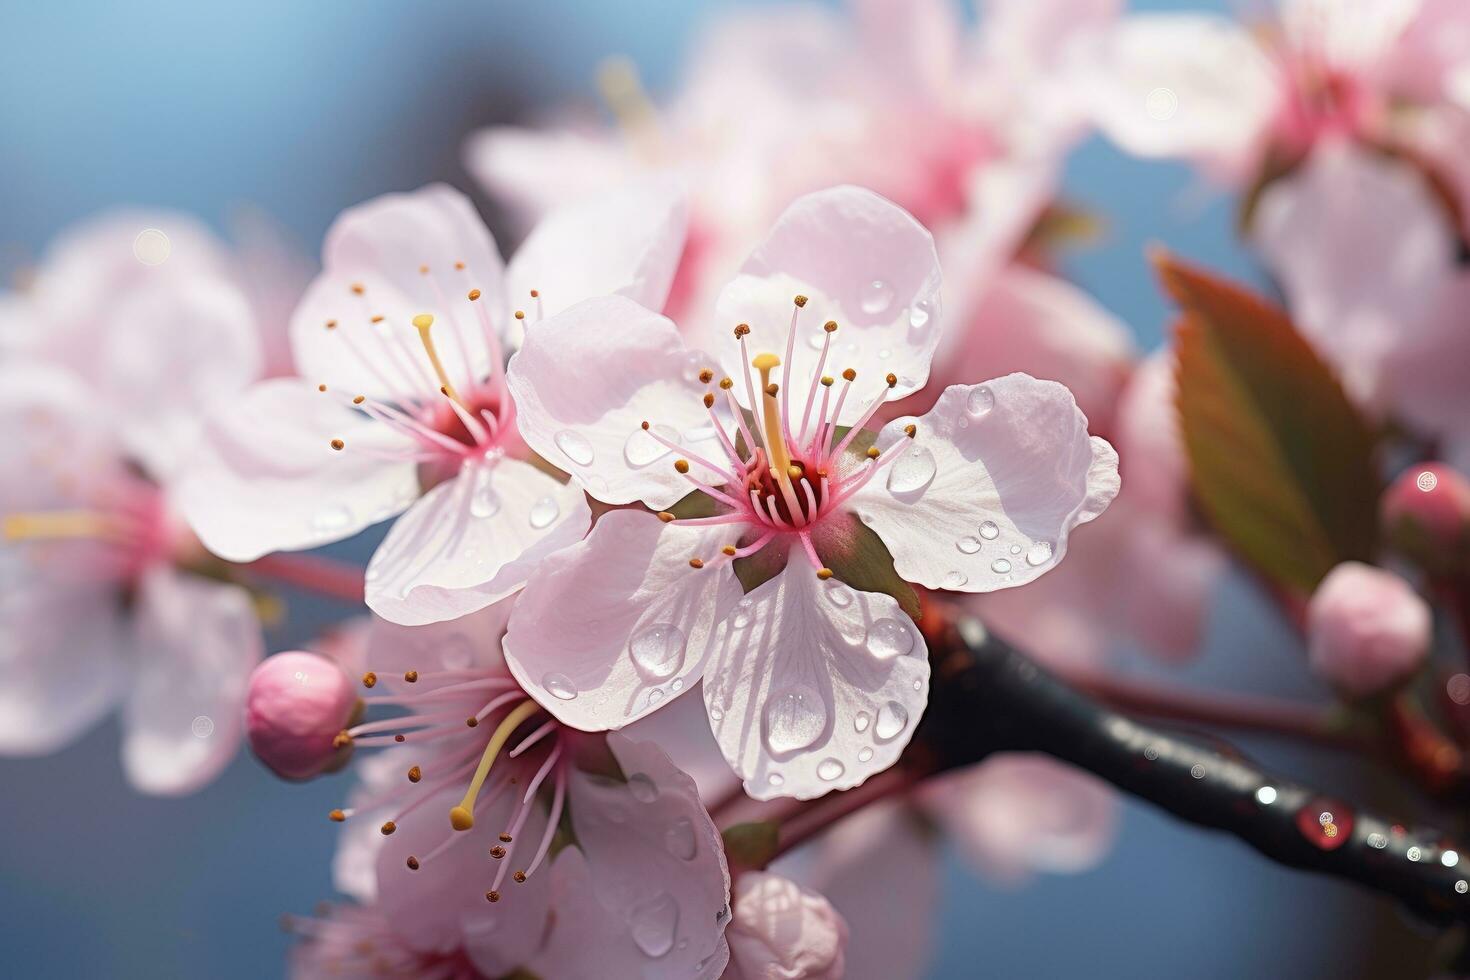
312,573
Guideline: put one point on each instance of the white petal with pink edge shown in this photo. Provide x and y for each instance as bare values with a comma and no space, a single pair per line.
995,479
197,642
472,541
610,628
586,380
264,477
860,260
815,686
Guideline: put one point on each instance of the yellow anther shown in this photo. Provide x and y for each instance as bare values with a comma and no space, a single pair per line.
799,300
682,465
709,400
473,295
369,679
462,817
892,380
726,384
321,387
696,563
359,399
338,444
665,516
824,573
729,550
873,452
49,525
520,314
827,381
377,318
830,326
794,471
706,375
848,374
910,430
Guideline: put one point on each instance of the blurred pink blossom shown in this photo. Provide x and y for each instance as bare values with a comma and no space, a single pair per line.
782,931
1366,629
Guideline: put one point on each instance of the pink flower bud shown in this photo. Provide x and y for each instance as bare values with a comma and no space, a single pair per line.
781,931
297,705
1427,514
1366,629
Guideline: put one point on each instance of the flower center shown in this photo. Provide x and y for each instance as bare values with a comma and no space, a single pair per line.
451,714
793,467
122,528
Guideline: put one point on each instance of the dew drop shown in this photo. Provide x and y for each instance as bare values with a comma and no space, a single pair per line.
642,788
641,449
716,713
1015,549
893,718
741,618
1000,566
861,722
776,779
333,518
912,470
1039,553
877,297
560,685
657,651
865,754
484,501
989,531
679,839
575,445
794,719
544,511
829,769
655,696
884,354
653,924
954,580
888,638
919,317
677,685
840,595
979,402
968,544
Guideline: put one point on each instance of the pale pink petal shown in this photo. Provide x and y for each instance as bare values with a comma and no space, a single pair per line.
626,242
883,842
536,170
469,642
782,931
273,271
472,541
681,728
657,867
861,261
1360,247
168,353
1352,38
1195,86
1035,322
611,627
61,652
996,478
1150,446
198,640
1367,629
584,383
441,907
1431,59
911,45
264,476
374,260
1017,814
360,840
815,686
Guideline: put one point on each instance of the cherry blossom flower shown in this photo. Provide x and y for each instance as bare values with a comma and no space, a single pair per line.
401,407
358,941
107,598
1235,100
1366,629
487,828
815,679
781,931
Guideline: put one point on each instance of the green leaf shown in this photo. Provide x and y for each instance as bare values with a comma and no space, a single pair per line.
1280,460
752,845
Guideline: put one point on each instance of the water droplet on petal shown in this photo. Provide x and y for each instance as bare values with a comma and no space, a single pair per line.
865,754
954,580
544,511
989,531
1039,553
484,501
979,402
741,618
829,769
333,518
1000,566
884,354
642,788
575,445
776,779
794,719
653,924
641,449
968,544
679,839
919,317
560,685
840,594
888,638
716,713
657,651
892,719
912,471
877,297
861,721
815,341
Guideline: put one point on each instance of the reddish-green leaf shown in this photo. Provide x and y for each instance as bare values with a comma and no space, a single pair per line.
1280,460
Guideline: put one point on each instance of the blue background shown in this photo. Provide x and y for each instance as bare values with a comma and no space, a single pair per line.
304,109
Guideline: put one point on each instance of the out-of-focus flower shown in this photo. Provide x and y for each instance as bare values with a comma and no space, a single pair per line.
1366,629
297,704
1235,100
1389,317
402,405
782,931
107,598
492,830
1426,512
357,942
816,678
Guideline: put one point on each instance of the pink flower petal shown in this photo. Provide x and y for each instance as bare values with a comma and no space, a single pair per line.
586,380
815,686
469,642
611,627
996,478
198,640
264,477
781,929
472,541
862,261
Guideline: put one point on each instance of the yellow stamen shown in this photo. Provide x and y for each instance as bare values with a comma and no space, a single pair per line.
423,322
771,418
462,817
621,89
51,525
